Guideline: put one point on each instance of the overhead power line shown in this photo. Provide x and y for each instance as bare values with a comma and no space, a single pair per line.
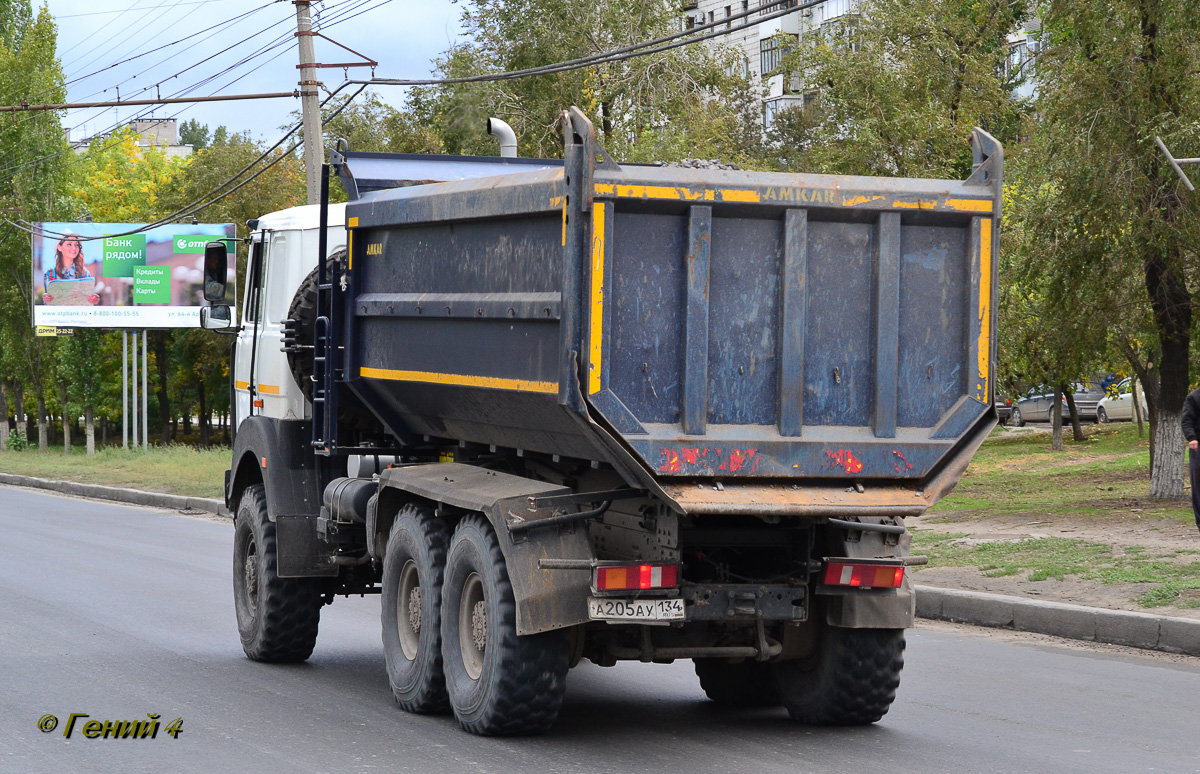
644,48
128,102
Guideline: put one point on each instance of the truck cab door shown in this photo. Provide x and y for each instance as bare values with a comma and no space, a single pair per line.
245,367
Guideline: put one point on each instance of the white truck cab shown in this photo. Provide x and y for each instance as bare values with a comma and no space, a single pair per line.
283,251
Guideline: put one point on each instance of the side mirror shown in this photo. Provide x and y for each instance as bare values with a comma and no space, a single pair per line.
214,318
216,271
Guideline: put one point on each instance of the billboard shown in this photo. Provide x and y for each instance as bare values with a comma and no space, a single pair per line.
85,277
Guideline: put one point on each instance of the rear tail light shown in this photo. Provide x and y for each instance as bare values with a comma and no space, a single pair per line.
867,576
636,576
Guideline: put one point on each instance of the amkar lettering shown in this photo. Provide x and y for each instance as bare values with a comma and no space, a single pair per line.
801,195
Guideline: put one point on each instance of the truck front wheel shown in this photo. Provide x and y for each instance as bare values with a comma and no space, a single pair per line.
411,609
850,680
500,683
277,617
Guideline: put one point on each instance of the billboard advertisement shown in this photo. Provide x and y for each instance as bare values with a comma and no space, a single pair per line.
85,277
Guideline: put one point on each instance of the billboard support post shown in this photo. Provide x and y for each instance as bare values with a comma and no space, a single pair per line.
124,389
145,402
133,412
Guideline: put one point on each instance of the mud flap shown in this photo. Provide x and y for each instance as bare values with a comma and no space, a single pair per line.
302,553
867,610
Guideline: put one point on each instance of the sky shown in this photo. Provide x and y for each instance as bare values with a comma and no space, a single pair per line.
95,36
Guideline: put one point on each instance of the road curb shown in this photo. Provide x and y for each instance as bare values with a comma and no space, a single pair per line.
117,494
1076,622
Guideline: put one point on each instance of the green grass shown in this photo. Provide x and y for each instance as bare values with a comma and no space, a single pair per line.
1038,559
178,470
1019,474
1102,479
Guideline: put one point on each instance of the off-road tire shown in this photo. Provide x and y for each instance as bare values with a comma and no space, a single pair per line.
520,680
277,617
414,655
744,684
850,680
303,310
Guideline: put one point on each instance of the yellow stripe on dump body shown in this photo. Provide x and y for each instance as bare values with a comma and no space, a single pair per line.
970,205
677,193
459,380
985,308
596,337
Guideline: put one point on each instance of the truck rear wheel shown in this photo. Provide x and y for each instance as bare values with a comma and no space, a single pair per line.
277,617
500,683
744,684
411,609
850,680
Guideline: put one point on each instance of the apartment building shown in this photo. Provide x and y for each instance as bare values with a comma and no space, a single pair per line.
761,47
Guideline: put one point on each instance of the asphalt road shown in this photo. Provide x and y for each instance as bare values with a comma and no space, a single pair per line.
121,611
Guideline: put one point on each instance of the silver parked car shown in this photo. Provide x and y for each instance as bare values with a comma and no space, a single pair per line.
1035,406
1119,407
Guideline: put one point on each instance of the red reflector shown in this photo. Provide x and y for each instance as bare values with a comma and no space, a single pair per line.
867,576
638,576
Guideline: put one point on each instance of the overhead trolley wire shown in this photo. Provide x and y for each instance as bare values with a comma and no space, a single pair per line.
219,191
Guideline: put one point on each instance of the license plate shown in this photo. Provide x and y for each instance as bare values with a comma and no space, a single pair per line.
605,609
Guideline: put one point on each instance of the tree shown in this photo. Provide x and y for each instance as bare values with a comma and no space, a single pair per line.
194,133
33,173
664,106
896,89
1112,75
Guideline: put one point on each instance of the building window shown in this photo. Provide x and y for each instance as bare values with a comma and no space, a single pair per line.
771,52
728,13
771,6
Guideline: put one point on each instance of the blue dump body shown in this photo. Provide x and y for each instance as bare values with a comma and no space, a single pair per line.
789,335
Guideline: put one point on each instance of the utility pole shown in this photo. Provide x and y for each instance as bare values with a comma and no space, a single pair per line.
310,106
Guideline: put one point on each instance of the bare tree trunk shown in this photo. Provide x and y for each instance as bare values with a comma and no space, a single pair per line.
66,418
1167,467
3,416
205,419
1076,430
103,432
1137,407
1056,442
19,417
42,424
89,422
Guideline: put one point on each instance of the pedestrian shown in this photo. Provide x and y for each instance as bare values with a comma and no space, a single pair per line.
1190,421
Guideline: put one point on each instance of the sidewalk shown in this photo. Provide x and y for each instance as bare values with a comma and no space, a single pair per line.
1078,622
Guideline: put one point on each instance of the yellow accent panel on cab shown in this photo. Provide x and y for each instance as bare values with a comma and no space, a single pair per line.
350,247
265,389
985,307
970,205
596,336
352,222
460,380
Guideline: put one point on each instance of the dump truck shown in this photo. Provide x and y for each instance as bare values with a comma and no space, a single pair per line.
556,410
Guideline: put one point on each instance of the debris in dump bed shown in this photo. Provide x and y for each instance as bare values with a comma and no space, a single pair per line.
700,164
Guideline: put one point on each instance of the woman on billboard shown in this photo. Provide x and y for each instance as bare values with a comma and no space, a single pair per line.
69,282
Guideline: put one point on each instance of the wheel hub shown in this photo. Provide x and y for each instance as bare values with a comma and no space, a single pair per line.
479,627
472,625
408,610
250,580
